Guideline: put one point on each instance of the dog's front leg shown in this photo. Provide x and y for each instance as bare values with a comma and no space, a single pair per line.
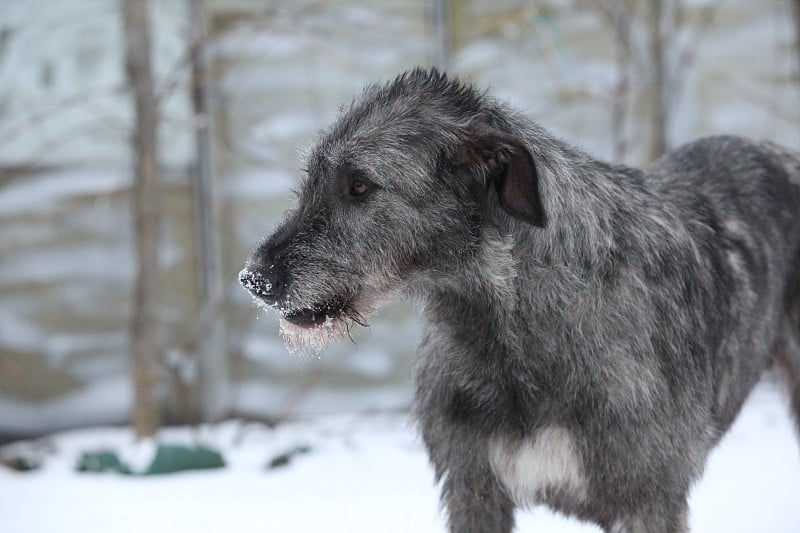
474,499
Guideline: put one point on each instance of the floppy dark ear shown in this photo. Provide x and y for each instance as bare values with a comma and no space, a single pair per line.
506,163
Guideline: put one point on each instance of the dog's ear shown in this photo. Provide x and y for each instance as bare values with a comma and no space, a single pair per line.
504,162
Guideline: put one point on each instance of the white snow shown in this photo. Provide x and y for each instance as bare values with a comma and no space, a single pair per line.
363,474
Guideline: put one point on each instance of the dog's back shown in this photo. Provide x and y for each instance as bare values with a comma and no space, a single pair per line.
740,201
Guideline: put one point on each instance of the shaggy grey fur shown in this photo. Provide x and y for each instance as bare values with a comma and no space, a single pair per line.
591,330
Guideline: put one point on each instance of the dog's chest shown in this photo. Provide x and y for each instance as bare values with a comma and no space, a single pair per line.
544,465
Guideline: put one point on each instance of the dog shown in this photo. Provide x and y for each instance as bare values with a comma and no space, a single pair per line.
591,331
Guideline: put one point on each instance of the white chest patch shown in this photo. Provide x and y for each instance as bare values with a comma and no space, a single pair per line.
531,468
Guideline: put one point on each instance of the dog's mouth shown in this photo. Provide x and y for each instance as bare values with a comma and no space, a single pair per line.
311,317
324,314
308,330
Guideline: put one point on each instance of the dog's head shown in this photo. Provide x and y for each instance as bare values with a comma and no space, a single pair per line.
402,183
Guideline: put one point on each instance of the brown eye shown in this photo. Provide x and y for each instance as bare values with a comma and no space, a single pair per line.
358,187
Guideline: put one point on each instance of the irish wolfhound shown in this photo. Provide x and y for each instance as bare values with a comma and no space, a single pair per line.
591,330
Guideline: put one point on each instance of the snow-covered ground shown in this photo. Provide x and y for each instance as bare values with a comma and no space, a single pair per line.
364,473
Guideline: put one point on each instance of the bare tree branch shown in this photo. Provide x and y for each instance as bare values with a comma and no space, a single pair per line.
40,116
687,54
619,16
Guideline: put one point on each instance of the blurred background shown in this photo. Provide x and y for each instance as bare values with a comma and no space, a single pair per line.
145,147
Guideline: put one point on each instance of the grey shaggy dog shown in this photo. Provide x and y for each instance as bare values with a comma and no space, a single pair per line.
591,330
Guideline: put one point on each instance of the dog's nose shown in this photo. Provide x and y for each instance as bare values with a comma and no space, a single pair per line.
264,287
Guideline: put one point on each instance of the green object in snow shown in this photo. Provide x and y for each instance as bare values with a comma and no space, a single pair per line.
102,461
169,458
173,458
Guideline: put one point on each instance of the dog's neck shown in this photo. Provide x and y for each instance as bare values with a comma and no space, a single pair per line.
487,287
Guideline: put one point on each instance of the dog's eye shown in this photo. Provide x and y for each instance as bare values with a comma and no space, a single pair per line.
358,187
352,184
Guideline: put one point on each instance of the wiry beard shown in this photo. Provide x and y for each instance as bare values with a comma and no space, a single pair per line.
305,340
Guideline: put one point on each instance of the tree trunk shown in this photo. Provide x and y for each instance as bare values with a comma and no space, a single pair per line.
796,10
619,16
144,331
440,21
211,343
622,90
658,90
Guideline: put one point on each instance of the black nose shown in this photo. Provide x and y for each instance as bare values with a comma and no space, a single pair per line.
264,287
